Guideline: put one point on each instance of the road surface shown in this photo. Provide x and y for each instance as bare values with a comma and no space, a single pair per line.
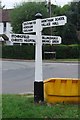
19,76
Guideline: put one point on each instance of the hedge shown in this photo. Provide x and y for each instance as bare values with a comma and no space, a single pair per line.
18,52
28,51
64,51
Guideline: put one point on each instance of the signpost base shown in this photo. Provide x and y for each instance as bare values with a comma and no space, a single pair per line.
38,92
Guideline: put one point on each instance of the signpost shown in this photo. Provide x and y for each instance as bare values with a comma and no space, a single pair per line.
37,27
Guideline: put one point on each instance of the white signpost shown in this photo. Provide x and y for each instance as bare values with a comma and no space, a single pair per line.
37,26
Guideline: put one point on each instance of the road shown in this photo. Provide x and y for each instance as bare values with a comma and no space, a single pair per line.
19,76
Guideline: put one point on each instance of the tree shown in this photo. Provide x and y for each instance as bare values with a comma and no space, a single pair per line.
74,14
69,34
25,12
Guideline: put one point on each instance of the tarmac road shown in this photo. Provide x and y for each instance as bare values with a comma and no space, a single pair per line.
19,76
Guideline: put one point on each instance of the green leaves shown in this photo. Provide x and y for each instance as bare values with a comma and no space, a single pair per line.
26,12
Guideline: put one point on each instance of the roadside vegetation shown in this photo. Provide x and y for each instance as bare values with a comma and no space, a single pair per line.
23,106
28,52
0,107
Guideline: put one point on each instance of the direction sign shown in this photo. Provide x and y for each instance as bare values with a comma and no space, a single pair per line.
29,26
51,39
54,21
25,38
22,38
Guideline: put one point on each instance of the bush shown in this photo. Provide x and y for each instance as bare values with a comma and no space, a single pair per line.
18,52
28,51
63,51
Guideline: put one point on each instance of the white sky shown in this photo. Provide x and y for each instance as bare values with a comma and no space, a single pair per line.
11,3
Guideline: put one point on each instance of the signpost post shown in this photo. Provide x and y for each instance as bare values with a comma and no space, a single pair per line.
38,83
37,26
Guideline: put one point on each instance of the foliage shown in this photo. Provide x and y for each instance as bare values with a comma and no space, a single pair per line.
25,12
0,106
18,52
22,106
28,51
74,14
64,51
69,34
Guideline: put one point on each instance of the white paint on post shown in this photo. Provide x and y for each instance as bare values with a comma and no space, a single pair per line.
38,55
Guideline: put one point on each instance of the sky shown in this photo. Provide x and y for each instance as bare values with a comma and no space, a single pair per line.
12,3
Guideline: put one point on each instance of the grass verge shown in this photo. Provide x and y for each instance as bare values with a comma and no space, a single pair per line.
63,60
22,106
0,106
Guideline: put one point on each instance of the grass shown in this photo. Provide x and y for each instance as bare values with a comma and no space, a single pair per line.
0,106
67,59
22,106
63,60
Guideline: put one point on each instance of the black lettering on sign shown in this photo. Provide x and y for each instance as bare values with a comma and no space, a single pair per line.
30,30
28,26
34,22
12,36
32,40
43,21
17,40
25,40
25,24
55,38
25,30
60,18
30,23
50,20
43,40
55,41
43,37
26,36
55,23
46,24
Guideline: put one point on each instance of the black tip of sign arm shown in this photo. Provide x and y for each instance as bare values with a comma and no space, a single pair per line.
38,16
